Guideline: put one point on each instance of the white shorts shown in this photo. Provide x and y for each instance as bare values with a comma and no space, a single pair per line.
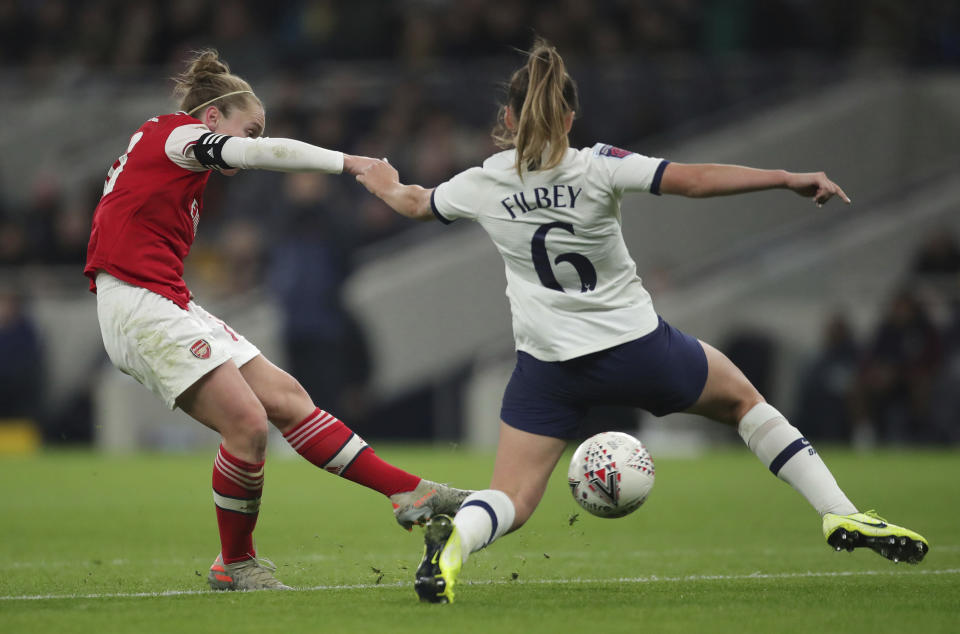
162,346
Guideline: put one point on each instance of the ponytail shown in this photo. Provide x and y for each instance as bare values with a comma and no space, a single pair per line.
540,96
208,81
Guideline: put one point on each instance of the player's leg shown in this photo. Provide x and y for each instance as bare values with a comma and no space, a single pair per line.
522,470
328,443
729,397
543,404
222,401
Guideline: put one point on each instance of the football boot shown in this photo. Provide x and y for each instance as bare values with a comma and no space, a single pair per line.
425,501
441,561
846,532
249,574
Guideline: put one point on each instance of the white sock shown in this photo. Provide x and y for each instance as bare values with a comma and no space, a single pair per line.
483,517
790,457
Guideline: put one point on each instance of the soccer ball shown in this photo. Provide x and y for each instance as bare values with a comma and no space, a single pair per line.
611,474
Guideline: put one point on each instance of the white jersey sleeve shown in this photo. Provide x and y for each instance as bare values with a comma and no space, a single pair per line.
628,171
282,155
457,198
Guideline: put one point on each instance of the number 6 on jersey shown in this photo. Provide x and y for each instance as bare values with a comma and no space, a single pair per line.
541,260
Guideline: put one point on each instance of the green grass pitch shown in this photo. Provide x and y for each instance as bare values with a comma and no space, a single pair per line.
105,544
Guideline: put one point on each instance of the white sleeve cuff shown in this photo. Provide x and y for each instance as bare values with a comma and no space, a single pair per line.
281,155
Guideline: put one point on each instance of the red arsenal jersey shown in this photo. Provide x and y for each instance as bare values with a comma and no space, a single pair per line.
147,218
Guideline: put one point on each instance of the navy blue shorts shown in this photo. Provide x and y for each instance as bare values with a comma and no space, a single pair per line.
661,372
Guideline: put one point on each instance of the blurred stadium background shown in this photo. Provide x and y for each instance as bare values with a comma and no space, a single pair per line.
848,319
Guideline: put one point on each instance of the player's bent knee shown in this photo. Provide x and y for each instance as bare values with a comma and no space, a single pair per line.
744,405
284,405
740,398
247,429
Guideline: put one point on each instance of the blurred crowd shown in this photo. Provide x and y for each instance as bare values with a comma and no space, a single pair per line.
128,35
300,236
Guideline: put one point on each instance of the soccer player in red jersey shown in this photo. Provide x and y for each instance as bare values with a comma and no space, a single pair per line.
152,329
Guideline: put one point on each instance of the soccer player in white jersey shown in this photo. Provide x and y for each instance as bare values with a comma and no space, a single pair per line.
585,328
153,330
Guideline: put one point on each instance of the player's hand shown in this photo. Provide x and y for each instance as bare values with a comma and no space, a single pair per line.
378,176
817,186
356,164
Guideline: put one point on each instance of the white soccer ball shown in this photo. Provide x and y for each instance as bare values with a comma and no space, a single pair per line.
611,474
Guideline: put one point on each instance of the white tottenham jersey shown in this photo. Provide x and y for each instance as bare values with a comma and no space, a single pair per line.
572,285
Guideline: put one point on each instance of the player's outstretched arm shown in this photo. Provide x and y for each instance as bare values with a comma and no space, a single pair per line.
276,154
383,181
711,179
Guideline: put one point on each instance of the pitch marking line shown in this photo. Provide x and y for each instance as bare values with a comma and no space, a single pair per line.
400,584
374,557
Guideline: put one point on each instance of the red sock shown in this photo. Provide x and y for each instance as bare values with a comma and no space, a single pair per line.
326,442
237,486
